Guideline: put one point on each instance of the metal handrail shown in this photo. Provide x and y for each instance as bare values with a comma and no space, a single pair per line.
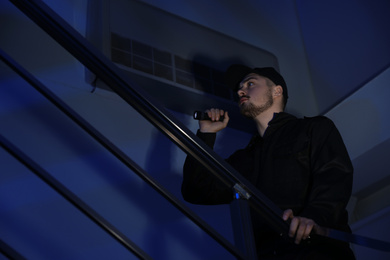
71,197
9,252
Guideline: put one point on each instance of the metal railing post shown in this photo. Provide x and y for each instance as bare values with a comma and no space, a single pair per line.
242,228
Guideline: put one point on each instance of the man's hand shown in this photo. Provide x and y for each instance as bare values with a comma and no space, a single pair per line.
213,126
300,227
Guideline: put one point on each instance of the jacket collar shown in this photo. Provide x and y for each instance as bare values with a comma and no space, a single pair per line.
279,119
276,122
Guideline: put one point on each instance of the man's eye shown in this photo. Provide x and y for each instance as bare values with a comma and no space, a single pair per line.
250,84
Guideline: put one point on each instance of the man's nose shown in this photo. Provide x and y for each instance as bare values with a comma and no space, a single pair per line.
241,92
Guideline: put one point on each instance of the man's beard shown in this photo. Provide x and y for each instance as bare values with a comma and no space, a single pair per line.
251,111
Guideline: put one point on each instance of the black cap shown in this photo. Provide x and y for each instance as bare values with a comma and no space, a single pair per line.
236,73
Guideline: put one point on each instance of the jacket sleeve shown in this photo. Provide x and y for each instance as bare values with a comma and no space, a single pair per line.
332,174
199,186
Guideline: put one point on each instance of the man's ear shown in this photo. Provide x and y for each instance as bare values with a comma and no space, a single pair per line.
278,91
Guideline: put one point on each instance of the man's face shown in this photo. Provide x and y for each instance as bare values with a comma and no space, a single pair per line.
255,95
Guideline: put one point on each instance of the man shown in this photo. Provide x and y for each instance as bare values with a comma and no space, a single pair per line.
302,165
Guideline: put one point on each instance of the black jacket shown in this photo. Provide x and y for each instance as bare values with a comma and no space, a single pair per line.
301,164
